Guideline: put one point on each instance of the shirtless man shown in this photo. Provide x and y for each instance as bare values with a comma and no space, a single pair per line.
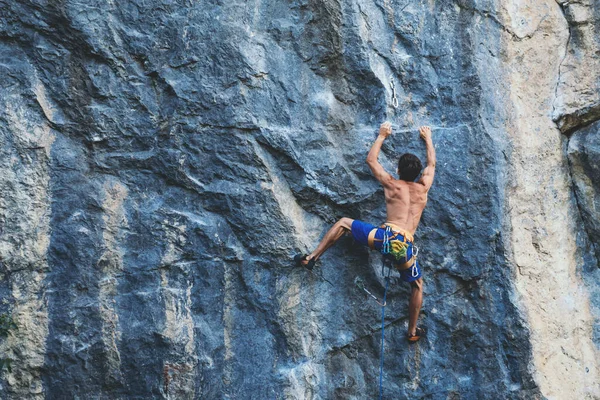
405,200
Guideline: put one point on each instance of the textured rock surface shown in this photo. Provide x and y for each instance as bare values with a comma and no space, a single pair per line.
577,105
26,138
584,156
584,159
543,216
162,161
578,92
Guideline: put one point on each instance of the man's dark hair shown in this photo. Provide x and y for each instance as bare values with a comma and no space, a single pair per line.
409,167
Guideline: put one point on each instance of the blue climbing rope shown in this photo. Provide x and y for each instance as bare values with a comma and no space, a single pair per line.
387,281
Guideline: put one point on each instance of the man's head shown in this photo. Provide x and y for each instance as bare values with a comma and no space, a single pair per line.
409,167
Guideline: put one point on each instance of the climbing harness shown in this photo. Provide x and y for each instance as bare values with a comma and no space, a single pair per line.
396,249
394,98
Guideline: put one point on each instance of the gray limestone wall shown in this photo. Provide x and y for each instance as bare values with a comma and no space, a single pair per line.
162,161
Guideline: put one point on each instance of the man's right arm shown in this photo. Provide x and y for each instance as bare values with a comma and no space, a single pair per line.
380,174
429,171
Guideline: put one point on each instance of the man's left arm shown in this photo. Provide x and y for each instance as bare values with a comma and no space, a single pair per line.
380,174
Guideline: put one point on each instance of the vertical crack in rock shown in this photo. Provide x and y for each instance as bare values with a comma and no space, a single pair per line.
562,6
557,119
578,203
577,110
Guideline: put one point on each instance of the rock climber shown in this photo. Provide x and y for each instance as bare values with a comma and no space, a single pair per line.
405,199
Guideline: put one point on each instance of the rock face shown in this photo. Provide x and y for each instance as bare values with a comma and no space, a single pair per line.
161,162
584,156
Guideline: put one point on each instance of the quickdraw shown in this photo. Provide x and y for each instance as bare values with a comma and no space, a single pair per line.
361,285
394,98
414,271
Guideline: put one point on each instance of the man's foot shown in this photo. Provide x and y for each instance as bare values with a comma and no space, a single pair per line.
303,261
419,333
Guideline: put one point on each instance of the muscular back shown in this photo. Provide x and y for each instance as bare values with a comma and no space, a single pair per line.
404,200
404,203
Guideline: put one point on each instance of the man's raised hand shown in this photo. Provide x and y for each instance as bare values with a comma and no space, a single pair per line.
425,132
385,129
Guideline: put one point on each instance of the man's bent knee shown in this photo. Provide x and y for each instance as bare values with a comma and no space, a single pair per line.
345,223
417,285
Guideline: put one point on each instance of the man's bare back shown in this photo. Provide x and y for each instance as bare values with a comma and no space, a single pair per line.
404,200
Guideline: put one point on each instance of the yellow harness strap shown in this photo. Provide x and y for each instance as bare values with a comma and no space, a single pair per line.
397,231
406,265
407,235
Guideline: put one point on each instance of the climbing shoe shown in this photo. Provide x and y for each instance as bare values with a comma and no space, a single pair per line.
298,258
420,332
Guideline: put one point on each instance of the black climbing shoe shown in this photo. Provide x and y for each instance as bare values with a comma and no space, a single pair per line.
418,335
298,258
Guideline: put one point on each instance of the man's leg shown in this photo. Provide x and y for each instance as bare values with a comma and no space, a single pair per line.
335,232
414,305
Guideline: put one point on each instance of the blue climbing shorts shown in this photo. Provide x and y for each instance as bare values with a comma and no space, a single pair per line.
360,232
